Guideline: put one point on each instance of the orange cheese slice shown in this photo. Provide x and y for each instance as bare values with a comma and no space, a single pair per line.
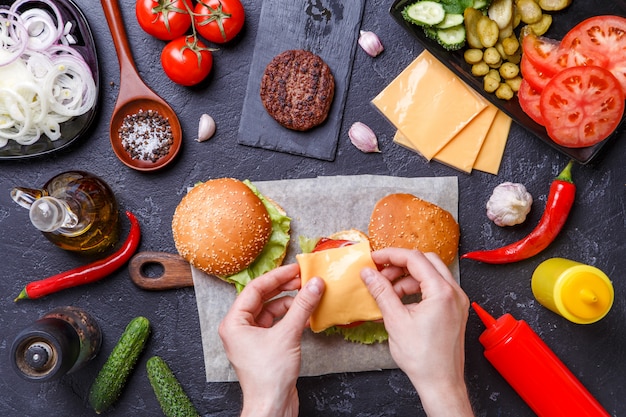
428,104
346,299
462,150
490,155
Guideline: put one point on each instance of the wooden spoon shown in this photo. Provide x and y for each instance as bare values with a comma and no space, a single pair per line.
134,95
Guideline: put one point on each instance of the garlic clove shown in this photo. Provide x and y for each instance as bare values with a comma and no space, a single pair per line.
363,137
206,128
370,43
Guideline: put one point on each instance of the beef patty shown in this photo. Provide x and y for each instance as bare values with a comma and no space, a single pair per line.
297,89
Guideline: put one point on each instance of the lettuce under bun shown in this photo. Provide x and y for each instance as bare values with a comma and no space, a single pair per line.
226,228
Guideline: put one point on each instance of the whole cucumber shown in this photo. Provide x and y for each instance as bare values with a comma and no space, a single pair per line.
111,379
170,394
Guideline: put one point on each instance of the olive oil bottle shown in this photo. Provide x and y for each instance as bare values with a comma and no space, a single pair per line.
75,210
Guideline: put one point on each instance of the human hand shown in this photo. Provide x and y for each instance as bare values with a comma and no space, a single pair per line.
426,339
261,336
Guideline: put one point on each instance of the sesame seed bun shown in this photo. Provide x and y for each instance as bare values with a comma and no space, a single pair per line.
406,221
221,226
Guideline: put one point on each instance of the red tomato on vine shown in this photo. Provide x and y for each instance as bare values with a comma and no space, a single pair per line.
164,19
219,21
186,60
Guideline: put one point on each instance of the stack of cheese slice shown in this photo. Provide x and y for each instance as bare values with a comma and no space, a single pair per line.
443,119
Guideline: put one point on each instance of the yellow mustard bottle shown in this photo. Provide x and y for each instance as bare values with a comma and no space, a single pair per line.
581,293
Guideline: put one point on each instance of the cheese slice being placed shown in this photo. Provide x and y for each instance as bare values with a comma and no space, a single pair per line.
490,155
428,104
346,299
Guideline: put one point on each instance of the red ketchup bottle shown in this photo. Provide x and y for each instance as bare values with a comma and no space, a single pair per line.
533,370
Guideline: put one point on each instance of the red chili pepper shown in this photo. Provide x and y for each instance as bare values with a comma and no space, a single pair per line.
560,201
88,273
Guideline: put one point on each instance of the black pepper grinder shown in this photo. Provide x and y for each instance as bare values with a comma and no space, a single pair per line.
58,343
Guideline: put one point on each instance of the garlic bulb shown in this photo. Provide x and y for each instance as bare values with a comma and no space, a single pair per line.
363,137
206,128
509,204
370,43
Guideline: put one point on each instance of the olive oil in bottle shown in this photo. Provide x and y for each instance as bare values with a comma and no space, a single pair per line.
75,210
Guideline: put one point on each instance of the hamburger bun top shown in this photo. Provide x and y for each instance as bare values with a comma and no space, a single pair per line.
221,226
406,221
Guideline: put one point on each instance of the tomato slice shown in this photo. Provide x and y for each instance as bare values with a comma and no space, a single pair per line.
544,53
327,243
599,40
529,101
532,75
581,106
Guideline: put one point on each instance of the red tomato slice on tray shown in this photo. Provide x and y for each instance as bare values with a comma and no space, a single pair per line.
532,75
581,106
529,101
542,52
599,40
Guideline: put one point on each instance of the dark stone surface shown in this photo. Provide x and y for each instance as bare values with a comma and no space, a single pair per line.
594,234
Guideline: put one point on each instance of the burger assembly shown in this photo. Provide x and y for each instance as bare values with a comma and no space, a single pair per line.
227,229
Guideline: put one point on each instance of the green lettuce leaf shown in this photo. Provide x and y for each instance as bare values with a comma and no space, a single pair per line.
273,252
307,244
367,333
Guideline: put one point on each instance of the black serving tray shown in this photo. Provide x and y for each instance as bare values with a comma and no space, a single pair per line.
563,21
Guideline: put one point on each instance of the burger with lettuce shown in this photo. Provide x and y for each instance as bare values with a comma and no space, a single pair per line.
227,228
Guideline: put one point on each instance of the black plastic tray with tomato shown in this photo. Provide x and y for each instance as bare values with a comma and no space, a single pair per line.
563,21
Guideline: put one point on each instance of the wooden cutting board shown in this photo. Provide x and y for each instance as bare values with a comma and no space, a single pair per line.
328,28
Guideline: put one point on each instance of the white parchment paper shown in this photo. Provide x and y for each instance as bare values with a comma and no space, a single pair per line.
318,207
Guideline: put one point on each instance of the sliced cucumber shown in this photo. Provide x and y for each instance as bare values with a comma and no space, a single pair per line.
452,38
481,4
456,6
430,32
450,20
424,13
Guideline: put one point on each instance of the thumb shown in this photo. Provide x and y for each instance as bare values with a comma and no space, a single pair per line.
381,289
304,303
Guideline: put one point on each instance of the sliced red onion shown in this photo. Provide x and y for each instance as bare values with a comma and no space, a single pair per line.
15,7
42,31
54,83
13,37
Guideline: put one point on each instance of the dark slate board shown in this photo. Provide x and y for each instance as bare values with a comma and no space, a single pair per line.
328,28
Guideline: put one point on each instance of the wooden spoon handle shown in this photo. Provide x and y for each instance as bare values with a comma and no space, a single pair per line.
176,271
120,39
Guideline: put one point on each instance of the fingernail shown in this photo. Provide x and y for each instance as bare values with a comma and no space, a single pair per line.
367,275
314,285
